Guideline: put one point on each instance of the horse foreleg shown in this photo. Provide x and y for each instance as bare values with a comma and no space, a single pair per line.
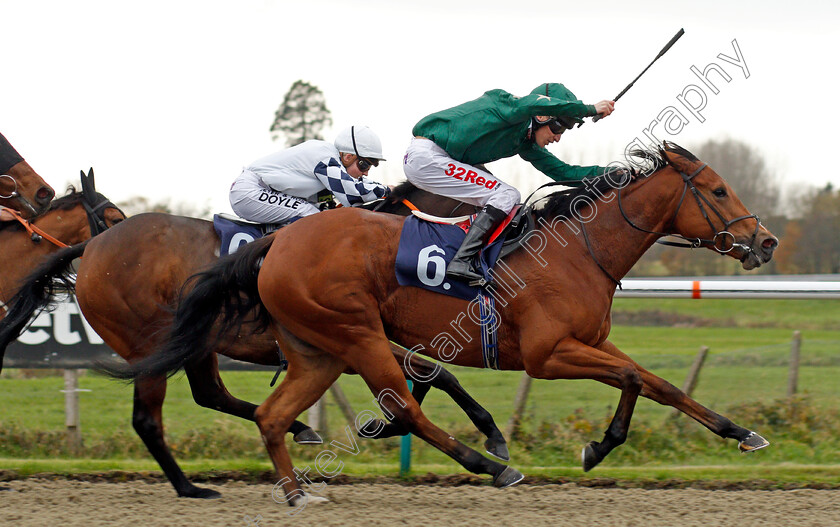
571,359
209,391
659,390
426,375
148,422
374,362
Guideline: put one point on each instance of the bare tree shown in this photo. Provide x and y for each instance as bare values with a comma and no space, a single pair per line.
811,244
302,114
744,168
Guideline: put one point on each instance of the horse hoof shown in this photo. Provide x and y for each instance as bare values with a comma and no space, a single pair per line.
200,493
372,429
752,443
308,437
509,476
497,448
302,500
589,457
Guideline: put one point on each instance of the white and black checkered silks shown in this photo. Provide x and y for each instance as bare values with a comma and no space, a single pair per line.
256,197
347,190
430,168
251,199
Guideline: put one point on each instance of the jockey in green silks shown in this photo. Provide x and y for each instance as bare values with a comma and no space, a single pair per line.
450,147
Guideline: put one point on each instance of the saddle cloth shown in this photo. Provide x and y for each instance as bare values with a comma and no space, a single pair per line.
235,232
426,248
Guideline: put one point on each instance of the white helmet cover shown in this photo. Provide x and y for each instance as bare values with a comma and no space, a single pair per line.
359,140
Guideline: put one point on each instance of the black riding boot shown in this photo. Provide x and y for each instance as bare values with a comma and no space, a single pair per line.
462,266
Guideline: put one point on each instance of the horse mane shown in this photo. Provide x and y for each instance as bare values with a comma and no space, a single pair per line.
402,190
66,202
649,162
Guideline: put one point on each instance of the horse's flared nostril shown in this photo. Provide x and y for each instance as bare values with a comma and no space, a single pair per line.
44,195
770,244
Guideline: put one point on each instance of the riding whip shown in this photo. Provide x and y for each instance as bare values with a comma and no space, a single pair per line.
676,37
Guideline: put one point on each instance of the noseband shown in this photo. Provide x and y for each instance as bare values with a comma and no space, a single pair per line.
720,237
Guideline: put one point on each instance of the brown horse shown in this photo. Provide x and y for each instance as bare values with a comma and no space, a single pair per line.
21,188
332,300
130,277
69,220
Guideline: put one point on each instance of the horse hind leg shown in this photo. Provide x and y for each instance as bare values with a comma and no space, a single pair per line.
383,376
657,389
311,372
426,375
209,391
149,394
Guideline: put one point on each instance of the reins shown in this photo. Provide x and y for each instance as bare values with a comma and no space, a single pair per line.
96,221
35,232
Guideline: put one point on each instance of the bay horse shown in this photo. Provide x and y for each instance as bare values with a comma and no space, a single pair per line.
70,219
21,188
127,282
327,288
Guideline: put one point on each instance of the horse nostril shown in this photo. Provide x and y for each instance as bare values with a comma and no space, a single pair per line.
45,194
770,244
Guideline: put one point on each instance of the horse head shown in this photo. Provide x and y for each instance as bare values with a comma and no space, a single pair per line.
709,213
21,188
101,213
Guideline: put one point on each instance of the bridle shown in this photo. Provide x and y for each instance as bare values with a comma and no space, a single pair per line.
94,209
14,192
719,240
690,243
96,212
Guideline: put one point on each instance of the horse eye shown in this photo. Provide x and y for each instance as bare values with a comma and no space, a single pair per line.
719,192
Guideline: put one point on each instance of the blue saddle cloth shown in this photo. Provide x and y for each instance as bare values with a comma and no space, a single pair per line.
234,234
426,249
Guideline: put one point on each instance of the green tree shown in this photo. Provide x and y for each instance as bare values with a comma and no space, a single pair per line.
302,114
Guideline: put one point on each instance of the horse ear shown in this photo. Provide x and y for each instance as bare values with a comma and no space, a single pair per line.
90,178
87,184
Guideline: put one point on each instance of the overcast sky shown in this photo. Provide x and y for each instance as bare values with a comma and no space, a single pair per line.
169,99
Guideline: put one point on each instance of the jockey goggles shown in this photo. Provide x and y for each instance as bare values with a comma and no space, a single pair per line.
557,125
363,163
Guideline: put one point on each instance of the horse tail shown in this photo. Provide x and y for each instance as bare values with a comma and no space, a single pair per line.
53,276
218,300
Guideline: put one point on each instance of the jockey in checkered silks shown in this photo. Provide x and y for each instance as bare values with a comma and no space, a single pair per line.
299,181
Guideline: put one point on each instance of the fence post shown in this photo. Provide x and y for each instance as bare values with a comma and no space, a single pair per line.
344,404
693,374
793,372
405,447
519,404
71,411
317,415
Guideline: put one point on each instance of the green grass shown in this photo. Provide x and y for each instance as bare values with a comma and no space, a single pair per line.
744,378
790,314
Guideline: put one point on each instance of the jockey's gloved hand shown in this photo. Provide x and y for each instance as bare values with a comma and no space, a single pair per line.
327,205
623,175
